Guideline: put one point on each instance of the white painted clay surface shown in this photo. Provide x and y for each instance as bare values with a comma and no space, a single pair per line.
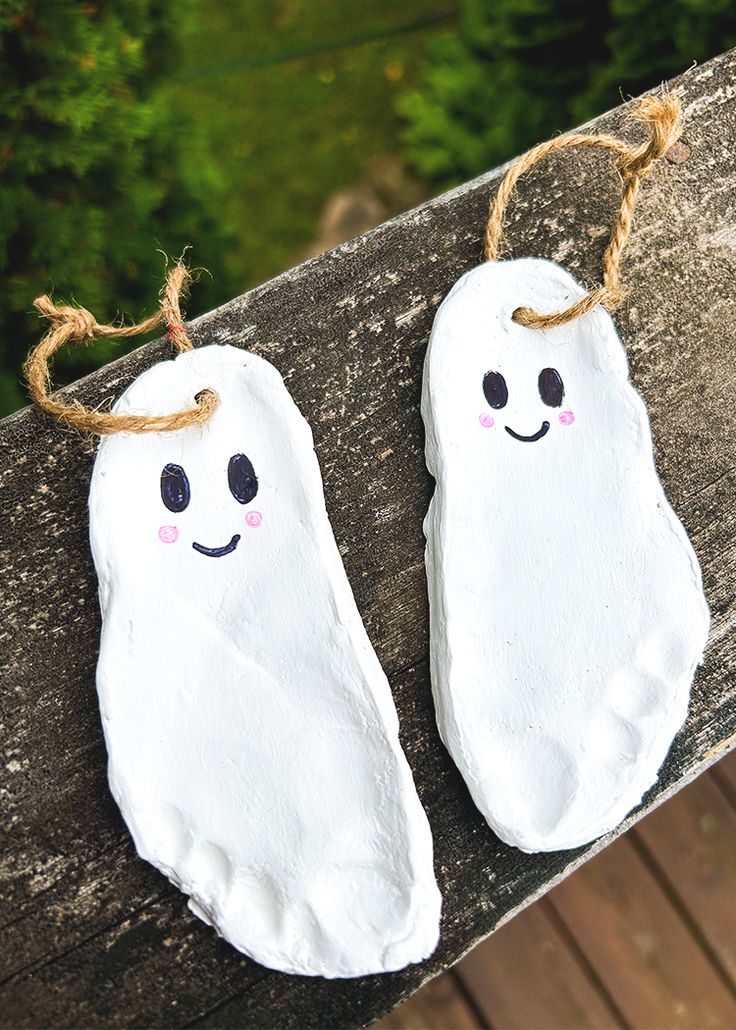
252,737
567,612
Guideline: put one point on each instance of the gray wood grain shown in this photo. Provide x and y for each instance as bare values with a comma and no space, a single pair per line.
90,935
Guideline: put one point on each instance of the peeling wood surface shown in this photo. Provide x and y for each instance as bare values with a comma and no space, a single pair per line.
90,935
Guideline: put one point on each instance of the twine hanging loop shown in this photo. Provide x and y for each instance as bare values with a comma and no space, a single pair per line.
660,116
76,325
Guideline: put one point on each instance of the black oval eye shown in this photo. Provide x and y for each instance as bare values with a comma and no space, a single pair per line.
241,478
495,389
551,389
174,488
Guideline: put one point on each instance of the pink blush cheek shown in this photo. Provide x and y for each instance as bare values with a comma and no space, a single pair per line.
486,421
168,534
253,519
566,418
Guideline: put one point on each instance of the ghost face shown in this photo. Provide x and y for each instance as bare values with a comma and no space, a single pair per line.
204,510
509,396
176,495
551,391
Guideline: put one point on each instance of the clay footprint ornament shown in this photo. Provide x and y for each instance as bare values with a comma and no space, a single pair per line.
252,737
567,609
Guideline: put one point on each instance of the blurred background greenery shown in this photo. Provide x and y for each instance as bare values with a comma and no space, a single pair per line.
263,132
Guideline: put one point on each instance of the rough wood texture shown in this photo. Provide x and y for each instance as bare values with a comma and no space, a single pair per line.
92,936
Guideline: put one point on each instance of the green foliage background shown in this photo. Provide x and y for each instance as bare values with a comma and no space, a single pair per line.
135,126
98,166
517,71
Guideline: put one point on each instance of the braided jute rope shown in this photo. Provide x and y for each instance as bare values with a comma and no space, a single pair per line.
77,325
660,116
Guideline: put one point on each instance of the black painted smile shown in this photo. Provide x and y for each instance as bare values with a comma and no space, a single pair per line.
217,552
529,439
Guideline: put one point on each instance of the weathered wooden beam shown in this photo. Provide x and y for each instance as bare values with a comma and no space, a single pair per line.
89,934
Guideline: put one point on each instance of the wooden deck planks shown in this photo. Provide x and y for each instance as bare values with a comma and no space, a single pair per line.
527,975
691,847
639,945
724,773
440,1005
641,936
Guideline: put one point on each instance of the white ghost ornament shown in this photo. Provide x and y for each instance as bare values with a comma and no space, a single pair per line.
567,610
252,737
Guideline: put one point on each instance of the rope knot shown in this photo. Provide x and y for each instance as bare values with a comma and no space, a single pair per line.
660,116
80,323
